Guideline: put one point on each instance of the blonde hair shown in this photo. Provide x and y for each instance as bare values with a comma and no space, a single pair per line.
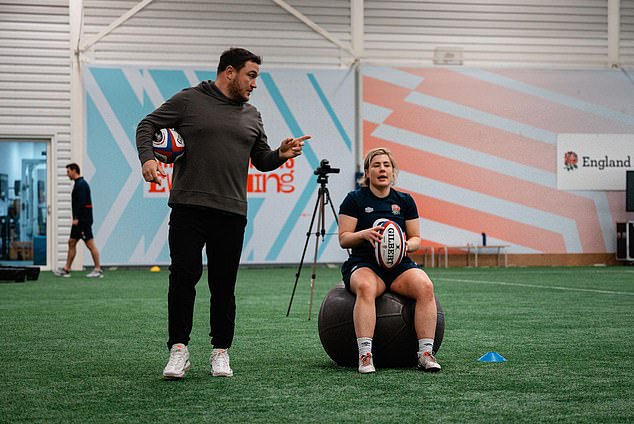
364,181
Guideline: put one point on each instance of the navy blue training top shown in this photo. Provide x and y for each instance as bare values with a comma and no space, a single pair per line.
81,202
367,209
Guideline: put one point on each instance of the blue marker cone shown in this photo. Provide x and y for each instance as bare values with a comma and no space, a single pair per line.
492,357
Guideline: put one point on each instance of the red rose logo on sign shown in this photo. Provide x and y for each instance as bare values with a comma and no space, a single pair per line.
570,161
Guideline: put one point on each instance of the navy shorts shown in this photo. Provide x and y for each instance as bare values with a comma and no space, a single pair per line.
81,231
388,276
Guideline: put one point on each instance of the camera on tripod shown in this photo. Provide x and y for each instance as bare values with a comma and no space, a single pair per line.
324,168
323,200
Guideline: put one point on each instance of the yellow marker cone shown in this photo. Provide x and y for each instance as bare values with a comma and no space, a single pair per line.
155,269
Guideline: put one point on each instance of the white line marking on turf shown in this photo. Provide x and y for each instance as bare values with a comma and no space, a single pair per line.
502,283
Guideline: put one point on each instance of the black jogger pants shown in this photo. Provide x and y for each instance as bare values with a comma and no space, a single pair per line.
190,229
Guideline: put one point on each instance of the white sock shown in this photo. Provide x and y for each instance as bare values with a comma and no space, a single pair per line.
425,345
365,345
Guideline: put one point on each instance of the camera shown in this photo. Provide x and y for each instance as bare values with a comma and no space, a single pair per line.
325,168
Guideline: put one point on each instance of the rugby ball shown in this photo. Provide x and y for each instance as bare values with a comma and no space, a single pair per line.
390,251
168,145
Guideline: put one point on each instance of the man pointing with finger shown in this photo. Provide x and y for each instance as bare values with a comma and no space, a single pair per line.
222,132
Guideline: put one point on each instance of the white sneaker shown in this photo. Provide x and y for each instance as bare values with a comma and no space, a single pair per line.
96,273
366,364
219,362
61,272
178,363
427,362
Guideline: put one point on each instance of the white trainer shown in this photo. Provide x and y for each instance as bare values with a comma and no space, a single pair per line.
427,362
366,364
95,273
219,362
178,363
61,272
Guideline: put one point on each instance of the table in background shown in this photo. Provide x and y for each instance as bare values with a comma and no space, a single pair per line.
476,249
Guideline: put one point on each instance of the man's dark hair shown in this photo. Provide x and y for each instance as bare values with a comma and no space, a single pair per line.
237,57
74,167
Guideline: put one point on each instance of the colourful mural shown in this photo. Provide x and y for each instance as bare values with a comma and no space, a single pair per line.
131,216
477,149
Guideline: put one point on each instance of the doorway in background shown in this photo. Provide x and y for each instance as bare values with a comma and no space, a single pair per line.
23,202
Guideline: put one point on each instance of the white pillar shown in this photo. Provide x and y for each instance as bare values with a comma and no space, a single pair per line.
77,142
357,19
614,27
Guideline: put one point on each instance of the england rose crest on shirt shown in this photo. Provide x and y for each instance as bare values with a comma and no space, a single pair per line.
396,210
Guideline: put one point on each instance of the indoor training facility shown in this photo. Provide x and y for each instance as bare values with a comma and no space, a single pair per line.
512,124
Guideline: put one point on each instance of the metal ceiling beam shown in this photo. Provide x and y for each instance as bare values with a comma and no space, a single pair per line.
115,24
312,25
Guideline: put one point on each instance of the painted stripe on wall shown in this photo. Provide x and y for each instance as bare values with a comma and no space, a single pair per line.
548,95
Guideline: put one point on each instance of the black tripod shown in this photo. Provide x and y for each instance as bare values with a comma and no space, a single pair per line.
323,199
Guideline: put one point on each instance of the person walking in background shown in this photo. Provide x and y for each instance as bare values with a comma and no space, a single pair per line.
359,216
82,224
208,197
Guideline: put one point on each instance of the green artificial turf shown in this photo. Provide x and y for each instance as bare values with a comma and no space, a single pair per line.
80,350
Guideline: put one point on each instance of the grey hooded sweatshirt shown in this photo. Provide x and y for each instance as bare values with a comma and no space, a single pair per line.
220,135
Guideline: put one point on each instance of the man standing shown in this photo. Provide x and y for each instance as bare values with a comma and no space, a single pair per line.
82,224
209,197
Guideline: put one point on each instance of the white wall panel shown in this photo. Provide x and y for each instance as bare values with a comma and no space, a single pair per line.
505,32
35,92
195,32
566,33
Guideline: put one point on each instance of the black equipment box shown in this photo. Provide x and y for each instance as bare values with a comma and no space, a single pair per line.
18,274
